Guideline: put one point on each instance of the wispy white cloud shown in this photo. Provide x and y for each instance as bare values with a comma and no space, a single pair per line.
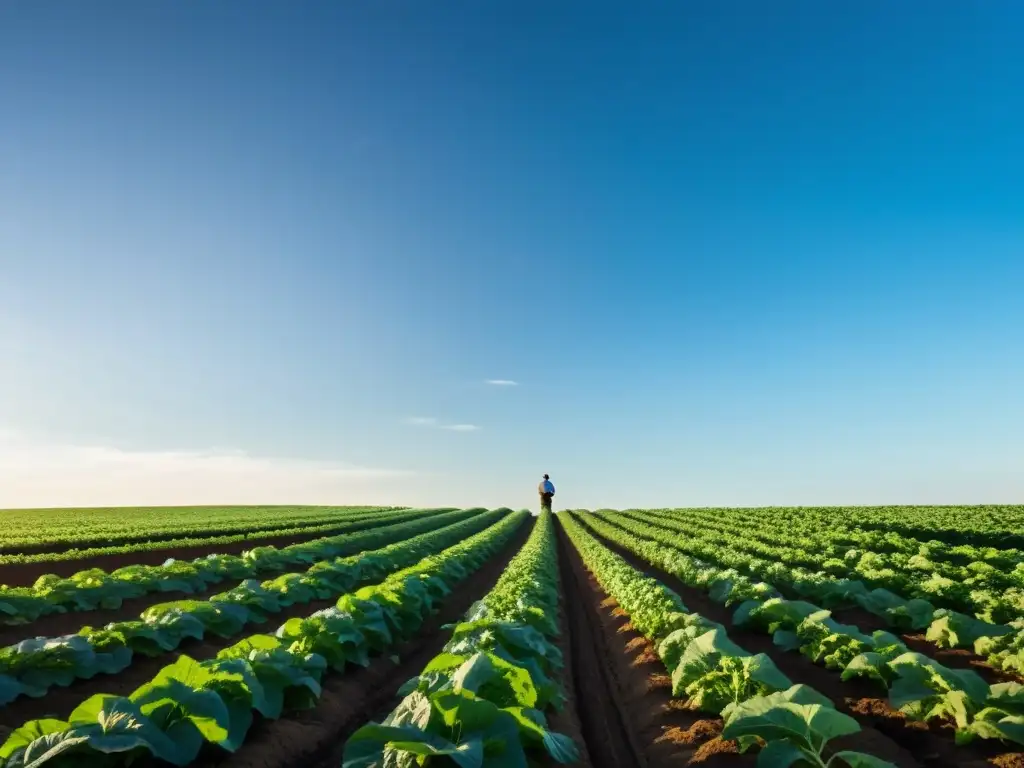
422,421
41,472
503,382
430,421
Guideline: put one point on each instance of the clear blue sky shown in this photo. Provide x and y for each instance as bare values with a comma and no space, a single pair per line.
731,252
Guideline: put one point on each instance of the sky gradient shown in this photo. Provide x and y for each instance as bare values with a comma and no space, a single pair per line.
421,253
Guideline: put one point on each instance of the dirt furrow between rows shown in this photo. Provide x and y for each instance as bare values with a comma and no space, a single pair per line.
600,710
317,736
567,721
886,733
624,699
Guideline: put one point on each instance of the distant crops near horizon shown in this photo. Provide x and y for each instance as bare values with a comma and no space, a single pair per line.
288,636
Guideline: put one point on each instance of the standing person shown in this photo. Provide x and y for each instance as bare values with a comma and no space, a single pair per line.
547,493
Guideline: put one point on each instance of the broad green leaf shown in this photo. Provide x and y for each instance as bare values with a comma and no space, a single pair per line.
858,760
473,673
783,754
1010,728
51,746
762,669
561,748
10,689
465,713
29,732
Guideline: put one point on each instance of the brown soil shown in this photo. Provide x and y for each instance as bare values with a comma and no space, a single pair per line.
627,713
567,721
1009,760
317,736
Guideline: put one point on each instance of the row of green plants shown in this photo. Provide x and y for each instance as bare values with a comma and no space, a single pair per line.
980,590
759,705
60,523
918,686
482,700
94,588
999,643
193,704
958,524
81,530
813,530
993,591
973,524
33,666
75,553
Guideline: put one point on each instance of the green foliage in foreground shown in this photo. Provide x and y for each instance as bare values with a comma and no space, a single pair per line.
190,703
482,700
918,686
791,723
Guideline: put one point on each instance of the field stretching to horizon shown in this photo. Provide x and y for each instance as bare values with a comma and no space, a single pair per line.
288,636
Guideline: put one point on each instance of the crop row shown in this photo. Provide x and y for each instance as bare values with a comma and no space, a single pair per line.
953,524
759,704
918,686
992,591
481,701
947,628
811,530
82,531
32,666
192,703
94,588
355,523
813,533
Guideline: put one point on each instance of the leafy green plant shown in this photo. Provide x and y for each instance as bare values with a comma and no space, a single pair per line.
793,728
713,673
950,629
481,700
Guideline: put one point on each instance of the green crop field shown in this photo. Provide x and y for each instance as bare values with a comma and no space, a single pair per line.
27,529
888,636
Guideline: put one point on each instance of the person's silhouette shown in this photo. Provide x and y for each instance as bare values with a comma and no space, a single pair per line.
547,493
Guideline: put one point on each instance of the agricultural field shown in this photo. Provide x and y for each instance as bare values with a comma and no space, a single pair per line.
863,637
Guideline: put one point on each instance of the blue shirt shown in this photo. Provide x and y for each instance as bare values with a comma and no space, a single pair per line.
547,487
